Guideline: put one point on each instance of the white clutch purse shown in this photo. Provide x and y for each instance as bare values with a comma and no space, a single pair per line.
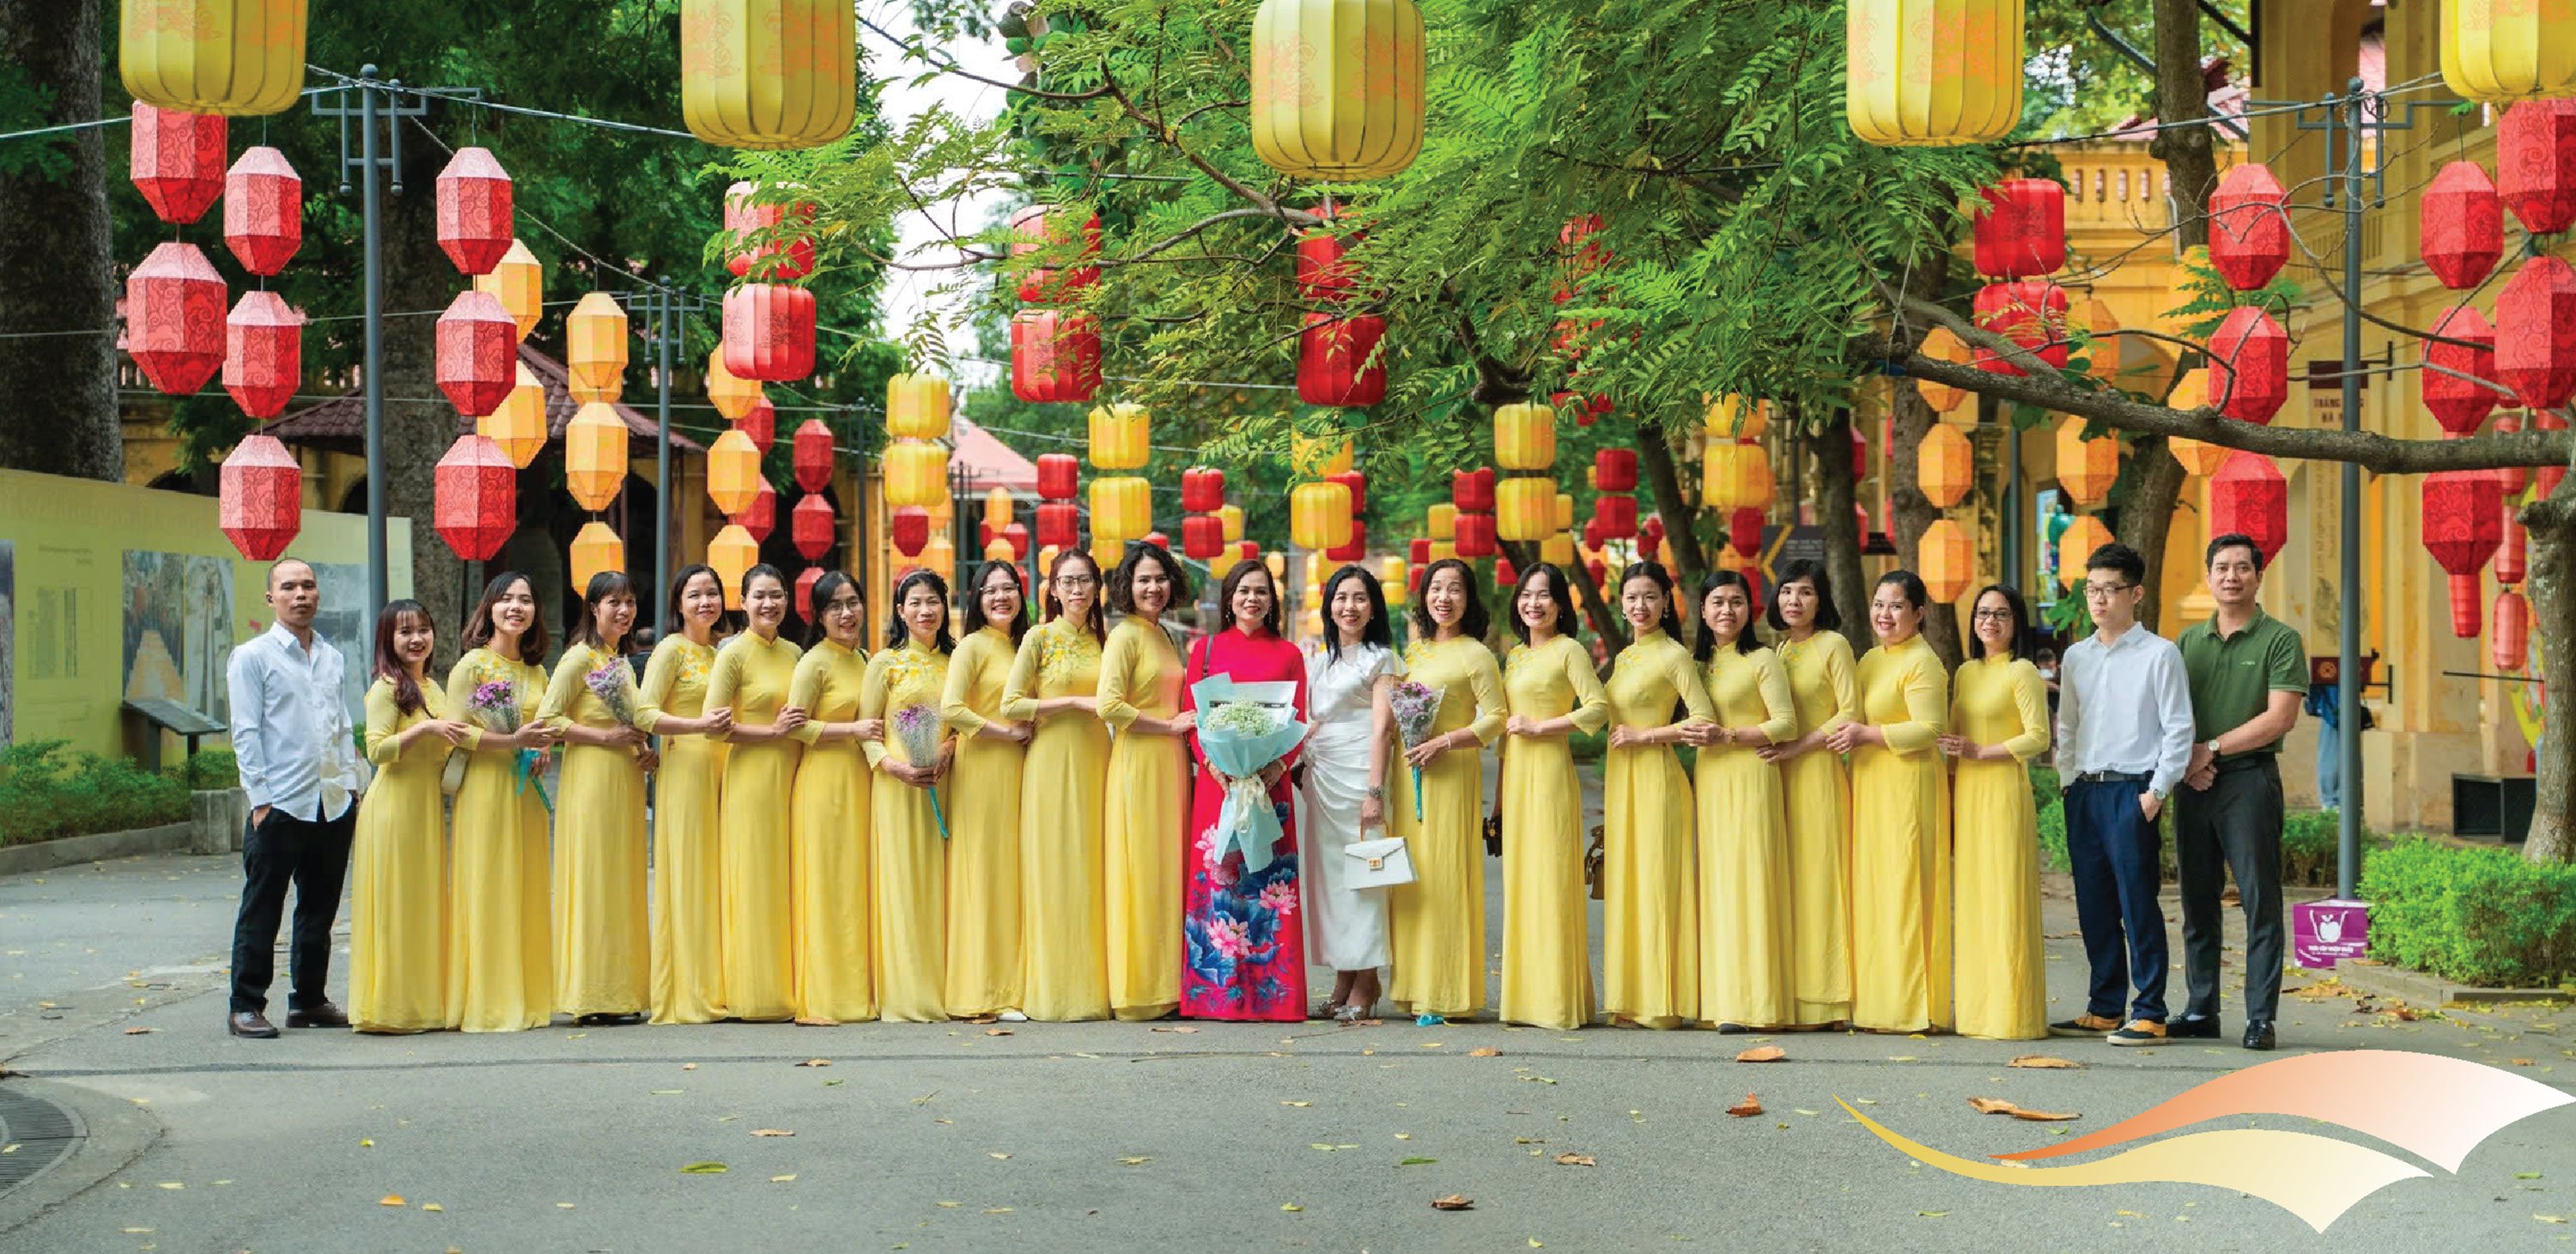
1377,863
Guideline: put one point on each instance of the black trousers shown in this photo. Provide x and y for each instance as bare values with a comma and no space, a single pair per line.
312,856
2232,829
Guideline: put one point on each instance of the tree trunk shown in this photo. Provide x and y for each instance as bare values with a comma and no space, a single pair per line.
2551,525
1670,504
2182,98
1837,493
56,268
2146,518
418,425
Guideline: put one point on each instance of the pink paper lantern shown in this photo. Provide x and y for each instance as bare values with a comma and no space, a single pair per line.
261,506
263,210
174,318
263,353
177,161
475,224
478,353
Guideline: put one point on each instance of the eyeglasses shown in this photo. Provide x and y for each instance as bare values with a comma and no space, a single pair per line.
1070,582
2105,591
1994,616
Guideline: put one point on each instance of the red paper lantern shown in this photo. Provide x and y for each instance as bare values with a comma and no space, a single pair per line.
1744,531
810,525
1202,536
263,353
1202,490
805,581
1059,475
1055,356
1322,273
2513,557
1018,536
1333,360
769,332
1506,576
2460,404
761,424
262,504
1060,524
2030,313
2463,225
474,221
2463,524
1358,485
1617,514
812,455
2249,227
2021,229
1650,532
1159,540
2249,497
174,318
1472,491
2536,332
743,217
762,515
263,210
1615,469
1593,535
2510,647
1860,459
1043,227
1474,536
478,353
909,529
1413,579
1417,551
1354,551
475,495
2249,365
177,161
2536,164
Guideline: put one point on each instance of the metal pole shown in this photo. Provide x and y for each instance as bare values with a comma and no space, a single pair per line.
2348,646
662,470
374,383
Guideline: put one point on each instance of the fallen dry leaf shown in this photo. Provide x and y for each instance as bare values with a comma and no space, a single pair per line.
1484,1051
433,1207
2043,1060
815,1062
392,1199
1138,1161
985,1019
2522,1062
2045,1116
705,1169
1453,1201
1574,1160
1296,1103
785,1179
1762,1053
1746,1109
997,1031
1290,1206
1183,1029
688,1066
140,1031
1991,1106
773,1132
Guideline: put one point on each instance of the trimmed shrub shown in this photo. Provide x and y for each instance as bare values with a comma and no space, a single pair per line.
2480,916
212,769
46,793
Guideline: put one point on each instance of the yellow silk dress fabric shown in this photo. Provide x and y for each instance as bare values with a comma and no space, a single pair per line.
1064,926
984,957
398,874
1547,951
1142,812
1436,924
688,931
1745,973
1901,844
1650,889
2002,978
752,678
602,922
911,880
1817,790
829,867
500,956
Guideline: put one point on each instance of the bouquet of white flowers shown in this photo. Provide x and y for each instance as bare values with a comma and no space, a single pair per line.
1416,708
916,727
1243,728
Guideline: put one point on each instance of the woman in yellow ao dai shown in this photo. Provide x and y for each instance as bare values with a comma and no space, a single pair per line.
500,964
755,672
1900,821
984,941
1054,687
1551,691
1436,924
1998,723
1147,795
828,848
398,861
1817,790
1745,976
688,912
1650,880
903,687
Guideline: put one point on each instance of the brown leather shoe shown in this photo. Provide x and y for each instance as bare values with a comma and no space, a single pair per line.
320,1015
250,1023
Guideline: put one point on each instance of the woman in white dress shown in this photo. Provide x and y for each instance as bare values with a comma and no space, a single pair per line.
1343,793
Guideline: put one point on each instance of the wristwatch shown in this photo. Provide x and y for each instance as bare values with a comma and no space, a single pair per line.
2212,745
1377,792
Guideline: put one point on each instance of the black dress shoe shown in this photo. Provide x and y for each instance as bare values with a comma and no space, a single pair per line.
2258,1034
2193,1028
318,1015
250,1023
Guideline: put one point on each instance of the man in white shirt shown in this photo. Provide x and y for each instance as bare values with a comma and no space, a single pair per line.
299,765
2124,734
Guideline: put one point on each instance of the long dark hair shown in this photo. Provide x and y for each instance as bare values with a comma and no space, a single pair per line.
825,589
1473,623
585,630
1704,646
1807,568
1376,631
1234,579
897,632
1122,581
972,603
2020,621
1653,572
1098,619
389,665
1568,623
681,584
478,625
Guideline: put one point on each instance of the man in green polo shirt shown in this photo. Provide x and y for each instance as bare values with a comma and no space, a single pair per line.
2248,673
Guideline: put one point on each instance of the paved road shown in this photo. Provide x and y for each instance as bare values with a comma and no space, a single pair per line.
1104,1136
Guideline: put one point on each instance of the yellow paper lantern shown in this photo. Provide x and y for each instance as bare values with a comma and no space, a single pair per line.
1931,72
1945,465
1218,565
2131,363
1337,87
1046,558
916,475
732,395
1277,563
732,553
1318,456
595,348
1443,550
1564,511
1524,437
2086,468
768,73
998,549
1557,550
595,455
1736,476
1732,417
1118,438
998,508
1525,509
518,281
2075,544
1393,590
239,58
940,557
1940,344
2501,50
1230,522
733,473
595,550
1122,507
1947,561
2199,457
519,425
1441,521
917,407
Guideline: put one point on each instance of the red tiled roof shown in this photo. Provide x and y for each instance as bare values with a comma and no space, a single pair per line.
987,462
340,424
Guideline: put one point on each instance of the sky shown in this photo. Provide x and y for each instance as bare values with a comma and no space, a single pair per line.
907,293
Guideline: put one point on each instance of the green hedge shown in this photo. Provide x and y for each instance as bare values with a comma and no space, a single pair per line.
213,769
46,792
2482,916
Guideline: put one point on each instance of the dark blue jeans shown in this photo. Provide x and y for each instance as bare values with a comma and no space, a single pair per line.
2111,848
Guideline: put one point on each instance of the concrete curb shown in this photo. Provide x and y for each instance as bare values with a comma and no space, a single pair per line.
47,855
113,1134
2418,988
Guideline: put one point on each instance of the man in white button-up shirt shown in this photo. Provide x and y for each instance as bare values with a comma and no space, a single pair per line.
2124,734
299,765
